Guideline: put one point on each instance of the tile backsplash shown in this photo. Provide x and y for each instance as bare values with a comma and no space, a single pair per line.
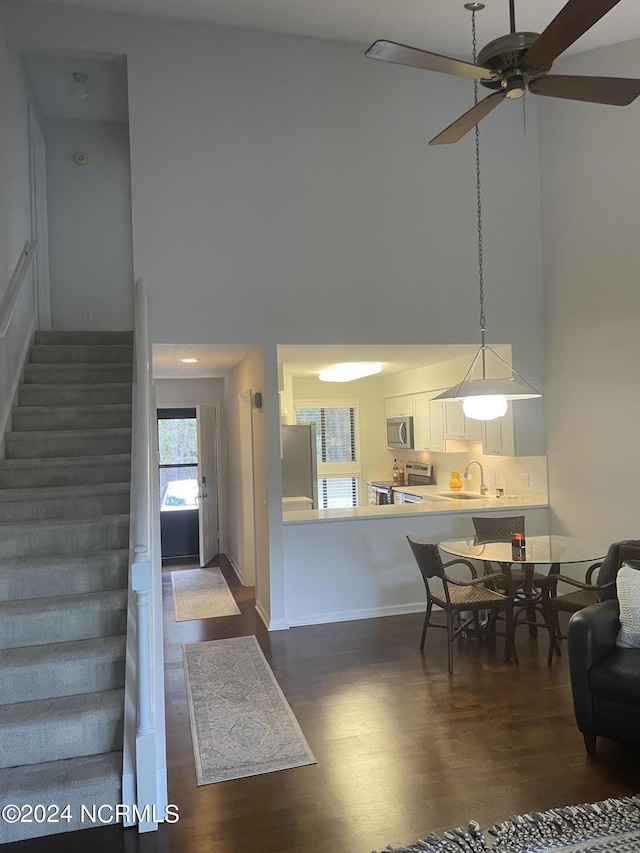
525,476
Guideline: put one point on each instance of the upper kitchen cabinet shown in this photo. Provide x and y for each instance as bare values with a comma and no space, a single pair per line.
428,423
398,407
457,426
519,433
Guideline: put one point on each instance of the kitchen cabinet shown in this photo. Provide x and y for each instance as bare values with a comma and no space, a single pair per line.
456,425
519,433
398,407
498,436
428,423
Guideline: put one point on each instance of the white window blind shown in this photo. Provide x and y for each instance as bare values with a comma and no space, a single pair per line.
335,431
337,492
337,451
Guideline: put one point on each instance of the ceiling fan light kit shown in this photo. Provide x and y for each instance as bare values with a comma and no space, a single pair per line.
519,62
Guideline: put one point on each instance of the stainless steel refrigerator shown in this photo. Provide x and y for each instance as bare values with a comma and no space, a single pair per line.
299,462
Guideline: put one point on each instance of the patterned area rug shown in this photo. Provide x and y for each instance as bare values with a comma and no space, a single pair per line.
241,723
611,826
201,594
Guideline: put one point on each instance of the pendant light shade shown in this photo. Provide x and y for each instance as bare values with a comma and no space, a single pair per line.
486,399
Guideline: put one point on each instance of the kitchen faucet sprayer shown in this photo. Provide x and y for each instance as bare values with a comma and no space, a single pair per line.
467,475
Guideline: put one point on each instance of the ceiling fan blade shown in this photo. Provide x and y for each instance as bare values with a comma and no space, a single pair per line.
401,54
470,119
569,24
618,91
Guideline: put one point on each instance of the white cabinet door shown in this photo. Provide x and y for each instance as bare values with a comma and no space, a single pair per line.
498,435
421,422
428,423
436,415
456,425
398,407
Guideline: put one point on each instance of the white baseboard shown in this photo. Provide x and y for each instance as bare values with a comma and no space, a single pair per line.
352,615
236,569
271,624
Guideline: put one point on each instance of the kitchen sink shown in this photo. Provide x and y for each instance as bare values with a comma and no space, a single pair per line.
459,496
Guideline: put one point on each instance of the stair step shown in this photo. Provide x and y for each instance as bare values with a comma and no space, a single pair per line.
81,354
36,418
75,395
64,502
55,729
61,619
83,338
69,442
93,779
63,574
62,669
64,471
63,536
76,374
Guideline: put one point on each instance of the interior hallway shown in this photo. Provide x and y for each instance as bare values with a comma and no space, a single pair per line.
402,748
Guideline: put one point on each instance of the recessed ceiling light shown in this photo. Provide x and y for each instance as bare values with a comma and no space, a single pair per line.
350,370
188,360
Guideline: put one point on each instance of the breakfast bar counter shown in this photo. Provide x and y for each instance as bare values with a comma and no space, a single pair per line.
344,564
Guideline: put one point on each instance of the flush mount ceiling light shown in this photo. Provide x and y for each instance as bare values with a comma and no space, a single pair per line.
80,87
350,370
188,360
485,399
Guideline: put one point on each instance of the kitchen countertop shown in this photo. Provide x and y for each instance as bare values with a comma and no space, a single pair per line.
442,505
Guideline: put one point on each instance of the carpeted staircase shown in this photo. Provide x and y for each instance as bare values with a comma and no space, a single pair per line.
64,539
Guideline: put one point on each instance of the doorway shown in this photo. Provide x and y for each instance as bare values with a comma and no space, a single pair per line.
178,475
188,476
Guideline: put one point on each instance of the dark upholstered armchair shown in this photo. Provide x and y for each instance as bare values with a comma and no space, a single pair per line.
605,679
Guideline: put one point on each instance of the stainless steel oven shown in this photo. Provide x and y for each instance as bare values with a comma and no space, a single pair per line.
420,474
380,493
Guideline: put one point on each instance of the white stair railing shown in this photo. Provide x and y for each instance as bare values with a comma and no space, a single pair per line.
18,322
144,754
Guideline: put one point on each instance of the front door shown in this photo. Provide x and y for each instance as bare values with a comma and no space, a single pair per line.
178,457
207,483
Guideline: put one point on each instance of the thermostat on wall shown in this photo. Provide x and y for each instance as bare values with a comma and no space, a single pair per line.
80,158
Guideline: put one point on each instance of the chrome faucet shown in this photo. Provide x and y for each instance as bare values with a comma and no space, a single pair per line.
467,475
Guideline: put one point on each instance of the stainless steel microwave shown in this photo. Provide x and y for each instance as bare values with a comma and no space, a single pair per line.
400,433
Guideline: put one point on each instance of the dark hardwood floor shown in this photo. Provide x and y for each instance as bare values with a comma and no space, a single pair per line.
402,747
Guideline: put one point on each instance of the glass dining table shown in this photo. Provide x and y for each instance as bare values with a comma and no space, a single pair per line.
549,549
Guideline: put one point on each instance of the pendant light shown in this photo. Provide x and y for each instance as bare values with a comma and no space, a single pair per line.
485,399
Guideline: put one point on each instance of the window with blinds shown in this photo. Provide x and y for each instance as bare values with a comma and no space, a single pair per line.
337,451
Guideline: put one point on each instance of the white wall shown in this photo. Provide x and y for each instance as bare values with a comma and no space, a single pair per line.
15,228
249,375
188,392
90,242
590,211
14,161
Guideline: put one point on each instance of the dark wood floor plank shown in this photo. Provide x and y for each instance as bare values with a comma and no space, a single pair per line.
402,747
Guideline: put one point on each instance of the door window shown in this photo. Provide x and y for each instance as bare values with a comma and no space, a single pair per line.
178,458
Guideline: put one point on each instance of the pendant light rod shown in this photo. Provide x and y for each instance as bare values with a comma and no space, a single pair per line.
483,398
512,15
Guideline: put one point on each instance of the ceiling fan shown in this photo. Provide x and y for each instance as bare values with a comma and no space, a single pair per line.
513,63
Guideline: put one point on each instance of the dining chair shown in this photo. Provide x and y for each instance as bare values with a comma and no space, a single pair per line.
457,597
495,529
584,592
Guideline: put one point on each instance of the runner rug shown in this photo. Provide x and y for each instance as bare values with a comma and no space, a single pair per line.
610,826
201,594
241,723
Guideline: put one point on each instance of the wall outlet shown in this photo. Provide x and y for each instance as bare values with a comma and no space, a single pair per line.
87,314
525,480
